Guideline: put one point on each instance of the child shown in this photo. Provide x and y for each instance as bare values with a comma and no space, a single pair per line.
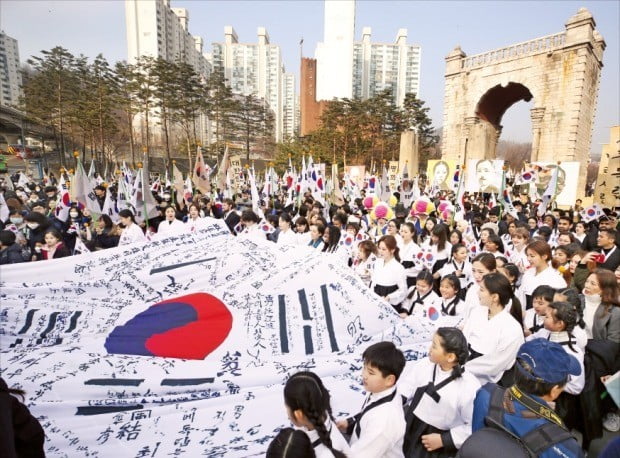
450,288
378,429
560,322
308,408
534,318
365,261
441,397
420,297
460,266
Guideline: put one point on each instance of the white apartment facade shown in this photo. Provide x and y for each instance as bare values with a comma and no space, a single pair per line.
361,69
157,30
10,75
256,68
291,107
380,66
334,55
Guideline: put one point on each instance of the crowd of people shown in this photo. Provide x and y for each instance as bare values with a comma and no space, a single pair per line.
538,298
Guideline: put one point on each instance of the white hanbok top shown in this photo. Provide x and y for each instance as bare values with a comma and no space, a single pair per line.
173,227
390,274
338,441
193,225
131,234
467,276
288,237
408,253
382,429
419,306
455,407
519,258
531,280
497,340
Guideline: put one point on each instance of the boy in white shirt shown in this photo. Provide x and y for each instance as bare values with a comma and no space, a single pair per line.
378,429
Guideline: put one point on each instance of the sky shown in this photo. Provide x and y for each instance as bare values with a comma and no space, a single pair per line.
91,27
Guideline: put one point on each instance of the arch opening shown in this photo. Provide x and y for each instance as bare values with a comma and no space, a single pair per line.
494,103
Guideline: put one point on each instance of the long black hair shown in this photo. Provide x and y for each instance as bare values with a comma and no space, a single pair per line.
290,443
305,391
453,341
498,284
565,312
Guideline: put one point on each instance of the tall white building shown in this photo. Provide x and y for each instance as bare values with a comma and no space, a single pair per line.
157,30
255,68
380,66
10,76
291,107
361,69
334,55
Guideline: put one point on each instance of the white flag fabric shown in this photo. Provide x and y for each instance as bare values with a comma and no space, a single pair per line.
179,184
182,345
4,209
549,193
201,174
143,203
82,190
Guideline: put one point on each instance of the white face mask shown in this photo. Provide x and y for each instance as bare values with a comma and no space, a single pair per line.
17,220
73,214
37,249
32,225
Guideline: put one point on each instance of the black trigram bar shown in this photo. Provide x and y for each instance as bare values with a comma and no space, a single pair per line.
28,322
177,266
282,322
308,340
186,381
99,410
329,322
114,381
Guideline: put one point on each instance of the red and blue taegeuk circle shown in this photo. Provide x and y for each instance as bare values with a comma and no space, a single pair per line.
188,327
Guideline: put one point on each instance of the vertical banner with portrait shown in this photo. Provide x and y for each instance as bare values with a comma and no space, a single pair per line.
440,174
484,175
393,175
356,174
567,174
236,172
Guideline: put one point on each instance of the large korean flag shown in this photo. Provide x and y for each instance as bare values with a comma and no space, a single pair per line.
180,346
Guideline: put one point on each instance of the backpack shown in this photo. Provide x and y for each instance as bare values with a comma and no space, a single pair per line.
496,440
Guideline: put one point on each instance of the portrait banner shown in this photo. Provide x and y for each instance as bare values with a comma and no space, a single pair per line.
236,172
393,175
440,174
356,174
484,175
568,177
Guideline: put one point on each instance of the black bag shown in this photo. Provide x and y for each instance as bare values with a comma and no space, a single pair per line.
495,440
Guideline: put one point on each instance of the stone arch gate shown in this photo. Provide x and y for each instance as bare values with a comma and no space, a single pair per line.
559,73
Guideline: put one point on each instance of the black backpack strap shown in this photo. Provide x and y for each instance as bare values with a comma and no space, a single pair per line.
496,405
541,438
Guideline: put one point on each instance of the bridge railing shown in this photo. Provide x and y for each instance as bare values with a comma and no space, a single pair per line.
527,48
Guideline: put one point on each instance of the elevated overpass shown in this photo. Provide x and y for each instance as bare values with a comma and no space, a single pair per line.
14,122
